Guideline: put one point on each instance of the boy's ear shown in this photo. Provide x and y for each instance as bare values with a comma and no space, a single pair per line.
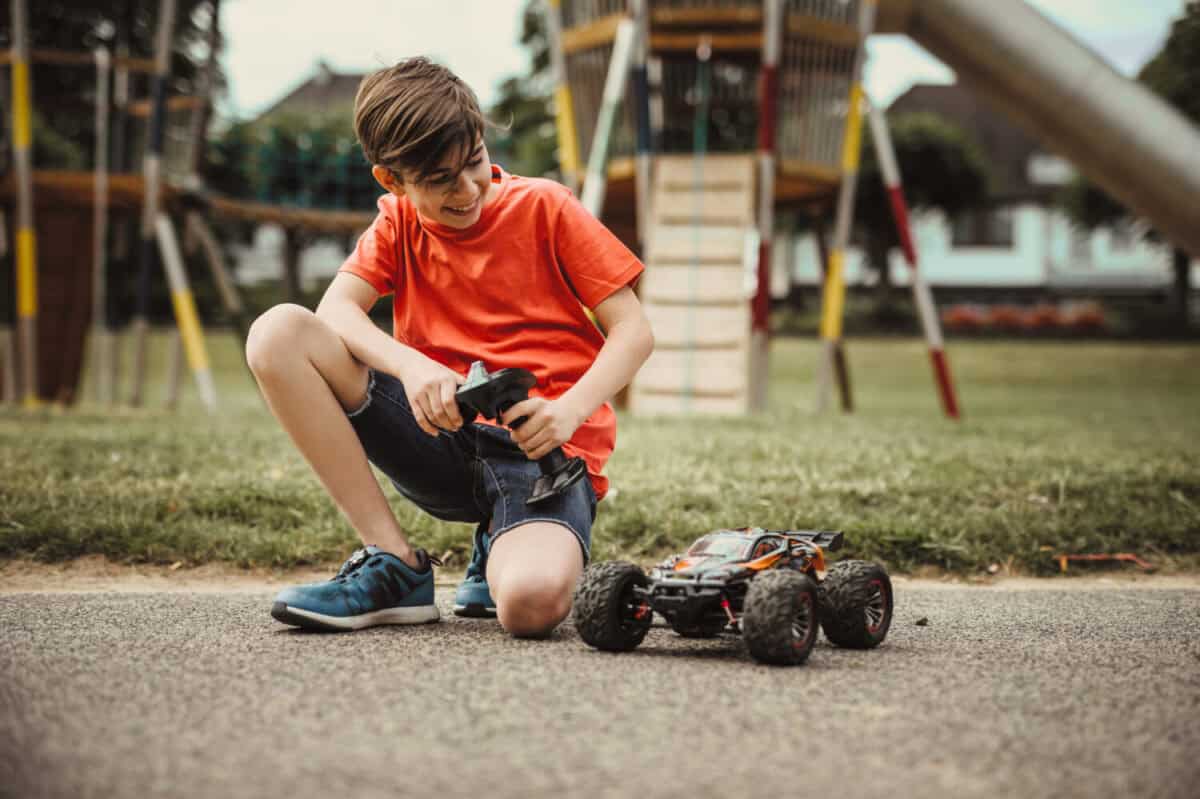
384,177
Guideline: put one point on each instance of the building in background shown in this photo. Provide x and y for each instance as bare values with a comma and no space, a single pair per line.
1021,244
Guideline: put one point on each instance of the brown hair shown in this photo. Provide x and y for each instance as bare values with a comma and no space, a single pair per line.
409,116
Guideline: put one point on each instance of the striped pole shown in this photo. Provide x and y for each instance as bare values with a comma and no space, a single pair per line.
122,229
833,298
564,109
8,349
760,307
614,91
151,175
641,96
26,262
101,333
186,318
923,298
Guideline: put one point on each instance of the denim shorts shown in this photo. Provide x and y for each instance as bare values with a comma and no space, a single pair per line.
475,474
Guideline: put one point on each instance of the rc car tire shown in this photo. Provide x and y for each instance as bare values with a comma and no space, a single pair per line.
604,606
779,623
855,604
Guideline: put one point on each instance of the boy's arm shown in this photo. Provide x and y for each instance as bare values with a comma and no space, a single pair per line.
429,385
628,343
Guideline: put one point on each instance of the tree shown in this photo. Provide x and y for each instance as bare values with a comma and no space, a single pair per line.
1173,74
525,141
943,170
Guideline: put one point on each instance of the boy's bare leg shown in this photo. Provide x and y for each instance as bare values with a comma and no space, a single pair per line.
310,380
532,571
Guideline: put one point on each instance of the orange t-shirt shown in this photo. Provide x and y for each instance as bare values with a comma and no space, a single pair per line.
505,291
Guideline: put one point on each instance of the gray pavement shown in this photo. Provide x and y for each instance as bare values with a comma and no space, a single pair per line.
1048,691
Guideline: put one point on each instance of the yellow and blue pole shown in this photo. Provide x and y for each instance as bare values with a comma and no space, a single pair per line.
26,249
151,177
833,299
564,109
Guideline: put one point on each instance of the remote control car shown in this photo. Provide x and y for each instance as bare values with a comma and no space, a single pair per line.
771,586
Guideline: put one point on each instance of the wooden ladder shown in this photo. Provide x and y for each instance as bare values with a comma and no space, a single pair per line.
696,289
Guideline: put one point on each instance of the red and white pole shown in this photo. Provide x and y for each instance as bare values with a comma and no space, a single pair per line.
922,296
760,307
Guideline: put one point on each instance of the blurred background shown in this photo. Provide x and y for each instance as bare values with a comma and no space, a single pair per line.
1011,238
183,178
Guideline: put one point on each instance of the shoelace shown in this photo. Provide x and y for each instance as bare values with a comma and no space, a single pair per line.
360,557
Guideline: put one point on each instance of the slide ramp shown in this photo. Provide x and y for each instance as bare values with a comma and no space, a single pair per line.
1117,132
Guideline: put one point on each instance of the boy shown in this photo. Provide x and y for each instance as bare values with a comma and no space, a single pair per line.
486,266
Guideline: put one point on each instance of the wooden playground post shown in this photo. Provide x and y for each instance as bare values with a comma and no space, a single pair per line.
101,332
8,350
26,250
641,98
922,296
564,110
768,90
614,90
151,173
833,298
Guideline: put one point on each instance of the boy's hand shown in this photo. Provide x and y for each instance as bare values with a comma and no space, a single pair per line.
430,388
550,424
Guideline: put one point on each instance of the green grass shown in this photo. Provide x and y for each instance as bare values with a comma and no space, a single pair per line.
1079,447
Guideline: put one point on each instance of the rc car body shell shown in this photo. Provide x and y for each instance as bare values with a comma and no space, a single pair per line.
702,591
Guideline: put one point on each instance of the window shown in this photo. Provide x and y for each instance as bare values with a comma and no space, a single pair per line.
992,227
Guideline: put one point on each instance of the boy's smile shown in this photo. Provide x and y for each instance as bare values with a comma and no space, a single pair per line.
444,196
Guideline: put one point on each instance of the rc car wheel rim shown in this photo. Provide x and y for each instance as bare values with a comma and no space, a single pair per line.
802,622
876,606
629,606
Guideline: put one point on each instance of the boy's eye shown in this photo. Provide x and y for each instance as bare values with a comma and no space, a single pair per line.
475,162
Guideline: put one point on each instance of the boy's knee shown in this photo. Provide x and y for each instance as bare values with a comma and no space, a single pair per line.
532,607
273,336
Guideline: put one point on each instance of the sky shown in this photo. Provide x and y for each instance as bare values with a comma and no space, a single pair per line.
273,46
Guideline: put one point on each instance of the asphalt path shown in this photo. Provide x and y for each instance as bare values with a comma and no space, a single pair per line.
1051,690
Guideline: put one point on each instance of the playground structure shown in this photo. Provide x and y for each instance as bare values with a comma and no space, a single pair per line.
726,88
738,108
55,210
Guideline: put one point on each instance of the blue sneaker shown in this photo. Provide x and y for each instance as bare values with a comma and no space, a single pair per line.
473,597
372,587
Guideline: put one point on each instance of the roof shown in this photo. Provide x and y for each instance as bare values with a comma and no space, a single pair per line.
1006,147
325,91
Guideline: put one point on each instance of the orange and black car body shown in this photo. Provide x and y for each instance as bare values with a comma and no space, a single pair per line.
702,591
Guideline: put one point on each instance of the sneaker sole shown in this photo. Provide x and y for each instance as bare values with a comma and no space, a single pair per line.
475,610
299,617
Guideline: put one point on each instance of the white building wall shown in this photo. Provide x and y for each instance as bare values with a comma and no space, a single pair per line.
1044,253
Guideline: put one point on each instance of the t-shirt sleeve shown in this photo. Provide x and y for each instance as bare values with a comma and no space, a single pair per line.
374,257
594,260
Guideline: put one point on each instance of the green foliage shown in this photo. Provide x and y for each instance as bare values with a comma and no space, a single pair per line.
1072,447
1173,74
942,169
524,138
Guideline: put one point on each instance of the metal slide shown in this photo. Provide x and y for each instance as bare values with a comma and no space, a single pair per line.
1117,133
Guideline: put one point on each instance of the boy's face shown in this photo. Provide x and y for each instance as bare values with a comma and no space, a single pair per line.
455,200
